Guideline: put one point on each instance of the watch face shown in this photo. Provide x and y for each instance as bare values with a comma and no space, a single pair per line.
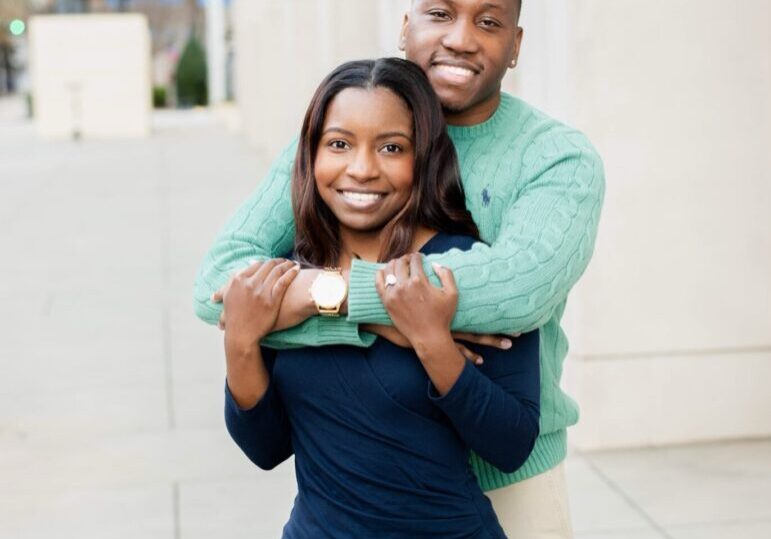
328,290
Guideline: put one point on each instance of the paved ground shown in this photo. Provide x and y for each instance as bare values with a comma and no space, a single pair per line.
111,390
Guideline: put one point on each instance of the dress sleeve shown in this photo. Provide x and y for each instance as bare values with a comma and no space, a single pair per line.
495,408
262,431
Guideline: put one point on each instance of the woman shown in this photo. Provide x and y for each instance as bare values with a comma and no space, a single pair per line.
381,436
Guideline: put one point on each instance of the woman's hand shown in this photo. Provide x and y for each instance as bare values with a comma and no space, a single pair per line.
252,301
419,310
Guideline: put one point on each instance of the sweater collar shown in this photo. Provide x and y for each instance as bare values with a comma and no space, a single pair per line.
505,108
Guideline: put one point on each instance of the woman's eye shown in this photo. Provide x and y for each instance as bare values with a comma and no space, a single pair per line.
338,145
392,148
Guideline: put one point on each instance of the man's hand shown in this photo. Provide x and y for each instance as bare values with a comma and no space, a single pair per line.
394,336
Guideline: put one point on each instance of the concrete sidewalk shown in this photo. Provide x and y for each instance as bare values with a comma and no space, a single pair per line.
111,390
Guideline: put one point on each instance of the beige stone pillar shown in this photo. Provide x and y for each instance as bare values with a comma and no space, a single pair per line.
671,326
284,49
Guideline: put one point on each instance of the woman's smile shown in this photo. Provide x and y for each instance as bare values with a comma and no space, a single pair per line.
362,200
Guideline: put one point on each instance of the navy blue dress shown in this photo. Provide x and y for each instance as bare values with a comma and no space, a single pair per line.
378,453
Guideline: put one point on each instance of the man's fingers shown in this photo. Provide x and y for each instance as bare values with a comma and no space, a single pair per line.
446,278
473,357
221,322
504,343
218,295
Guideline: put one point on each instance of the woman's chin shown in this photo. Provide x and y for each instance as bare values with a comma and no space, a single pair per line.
361,225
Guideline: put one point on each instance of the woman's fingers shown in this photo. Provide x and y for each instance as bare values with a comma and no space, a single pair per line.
252,268
446,278
473,357
264,270
288,271
416,268
380,282
504,343
276,273
218,295
402,269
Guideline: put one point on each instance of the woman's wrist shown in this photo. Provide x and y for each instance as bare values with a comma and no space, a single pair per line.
247,377
441,360
427,344
237,350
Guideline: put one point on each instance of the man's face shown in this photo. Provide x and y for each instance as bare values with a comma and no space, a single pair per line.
465,48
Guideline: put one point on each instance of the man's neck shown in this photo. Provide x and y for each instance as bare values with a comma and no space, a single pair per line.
481,112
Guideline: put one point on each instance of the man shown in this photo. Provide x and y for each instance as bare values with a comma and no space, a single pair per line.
535,188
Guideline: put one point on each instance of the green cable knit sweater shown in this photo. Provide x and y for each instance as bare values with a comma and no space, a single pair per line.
535,188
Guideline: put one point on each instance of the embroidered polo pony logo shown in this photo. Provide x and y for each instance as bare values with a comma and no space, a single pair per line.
485,197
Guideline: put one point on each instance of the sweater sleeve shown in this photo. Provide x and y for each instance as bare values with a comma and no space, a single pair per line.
262,431
544,244
262,228
495,409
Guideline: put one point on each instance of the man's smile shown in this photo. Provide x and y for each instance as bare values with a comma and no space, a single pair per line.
455,72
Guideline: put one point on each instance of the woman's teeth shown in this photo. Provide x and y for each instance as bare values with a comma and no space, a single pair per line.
361,197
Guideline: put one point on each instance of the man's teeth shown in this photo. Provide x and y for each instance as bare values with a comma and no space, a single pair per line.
362,197
457,70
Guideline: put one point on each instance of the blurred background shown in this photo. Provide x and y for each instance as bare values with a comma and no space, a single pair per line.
130,130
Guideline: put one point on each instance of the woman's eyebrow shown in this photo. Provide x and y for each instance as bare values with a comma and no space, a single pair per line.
338,130
391,134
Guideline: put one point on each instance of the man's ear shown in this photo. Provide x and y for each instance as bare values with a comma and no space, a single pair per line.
403,33
516,49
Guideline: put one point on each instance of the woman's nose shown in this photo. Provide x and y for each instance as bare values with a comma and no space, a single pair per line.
363,167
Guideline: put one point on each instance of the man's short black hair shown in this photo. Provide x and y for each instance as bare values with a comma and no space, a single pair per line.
519,7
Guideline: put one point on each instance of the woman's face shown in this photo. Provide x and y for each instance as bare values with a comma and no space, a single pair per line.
365,158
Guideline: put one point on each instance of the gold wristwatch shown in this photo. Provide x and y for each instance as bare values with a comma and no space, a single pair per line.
329,291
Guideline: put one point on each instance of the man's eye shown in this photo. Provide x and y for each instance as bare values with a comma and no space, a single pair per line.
392,148
489,23
438,14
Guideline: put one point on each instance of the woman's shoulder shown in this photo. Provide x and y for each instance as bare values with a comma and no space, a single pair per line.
444,241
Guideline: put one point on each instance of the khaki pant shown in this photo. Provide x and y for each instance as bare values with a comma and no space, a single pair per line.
536,508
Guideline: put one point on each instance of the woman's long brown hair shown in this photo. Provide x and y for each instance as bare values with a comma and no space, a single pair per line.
437,200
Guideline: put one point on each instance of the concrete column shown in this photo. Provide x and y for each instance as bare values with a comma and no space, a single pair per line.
284,48
671,326
215,50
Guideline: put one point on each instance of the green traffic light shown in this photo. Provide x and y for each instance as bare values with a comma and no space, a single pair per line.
17,27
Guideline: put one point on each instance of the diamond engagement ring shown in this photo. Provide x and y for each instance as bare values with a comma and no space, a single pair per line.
390,280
